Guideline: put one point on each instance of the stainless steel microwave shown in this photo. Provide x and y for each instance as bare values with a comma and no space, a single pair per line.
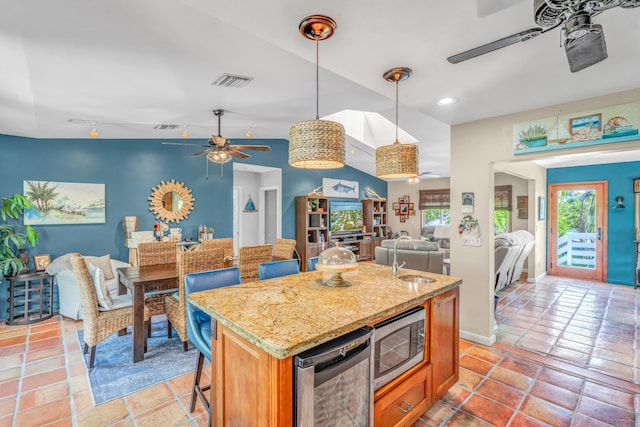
398,345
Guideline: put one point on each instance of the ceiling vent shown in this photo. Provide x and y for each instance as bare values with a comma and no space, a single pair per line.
231,80
166,127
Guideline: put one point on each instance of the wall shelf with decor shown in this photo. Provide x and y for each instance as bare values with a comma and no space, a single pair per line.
375,218
312,227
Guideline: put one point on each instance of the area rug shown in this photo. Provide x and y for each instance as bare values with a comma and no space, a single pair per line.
115,375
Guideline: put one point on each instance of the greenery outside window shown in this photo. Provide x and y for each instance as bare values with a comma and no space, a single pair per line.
434,206
502,209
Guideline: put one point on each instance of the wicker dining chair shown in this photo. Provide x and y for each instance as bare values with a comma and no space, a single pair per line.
283,249
98,324
249,257
225,243
176,305
154,253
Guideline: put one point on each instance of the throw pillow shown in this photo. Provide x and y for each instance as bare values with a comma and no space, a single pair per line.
100,284
103,263
59,264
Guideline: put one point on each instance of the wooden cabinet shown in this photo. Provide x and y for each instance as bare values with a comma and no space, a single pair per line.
405,403
445,313
361,244
312,227
375,216
30,298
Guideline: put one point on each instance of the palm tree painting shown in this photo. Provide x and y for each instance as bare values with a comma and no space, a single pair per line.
64,203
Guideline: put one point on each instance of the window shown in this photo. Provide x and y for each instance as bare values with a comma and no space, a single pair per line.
435,207
502,209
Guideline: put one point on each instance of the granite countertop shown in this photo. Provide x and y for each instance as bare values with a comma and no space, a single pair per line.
290,314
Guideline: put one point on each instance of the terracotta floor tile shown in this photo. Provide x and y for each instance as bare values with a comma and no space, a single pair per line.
513,330
609,395
575,346
455,395
580,359
546,412
82,401
584,421
612,368
468,379
168,414
44,335
560,379
545,330
10,374
476,365
33,356
438,413
464,345
50,342
484,353
520,365
578,338
148,398
501,393
42,415
105,414
78,383
488,410
539,336
12,361
594,326
511,378
554,394
462,419
581,331
44,365
9,387
614,356
65,422
533,345
606,412
521,420
199,409
10,341
181,385
39,380
8,406
44,395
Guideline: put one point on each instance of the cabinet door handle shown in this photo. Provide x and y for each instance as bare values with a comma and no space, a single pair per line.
437,303
409,407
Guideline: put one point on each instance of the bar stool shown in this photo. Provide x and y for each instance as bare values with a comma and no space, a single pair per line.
311,263
199,323
271,269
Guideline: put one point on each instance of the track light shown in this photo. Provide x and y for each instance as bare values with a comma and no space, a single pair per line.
94,132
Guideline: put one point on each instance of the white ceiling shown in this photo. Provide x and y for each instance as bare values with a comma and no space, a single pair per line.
139,63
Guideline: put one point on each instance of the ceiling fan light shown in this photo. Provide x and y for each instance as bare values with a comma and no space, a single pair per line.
219,157
397,161
316,144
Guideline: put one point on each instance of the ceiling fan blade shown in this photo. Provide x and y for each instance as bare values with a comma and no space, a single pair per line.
183,143
251,147
587,50
238,154
199,153
495,45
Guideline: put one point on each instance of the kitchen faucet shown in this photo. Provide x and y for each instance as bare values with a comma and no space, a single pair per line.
395,267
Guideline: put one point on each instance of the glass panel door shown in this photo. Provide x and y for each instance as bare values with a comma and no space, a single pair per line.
577,230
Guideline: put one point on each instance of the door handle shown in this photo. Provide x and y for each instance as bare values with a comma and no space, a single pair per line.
599,233
408,408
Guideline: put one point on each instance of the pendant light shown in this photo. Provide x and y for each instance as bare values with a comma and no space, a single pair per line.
316,144
397,160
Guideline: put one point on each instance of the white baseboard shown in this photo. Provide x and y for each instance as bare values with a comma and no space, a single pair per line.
540,277
478,338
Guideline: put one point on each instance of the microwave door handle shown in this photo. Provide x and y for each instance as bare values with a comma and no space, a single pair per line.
304,396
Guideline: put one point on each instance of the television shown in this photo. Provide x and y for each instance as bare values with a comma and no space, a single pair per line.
345,217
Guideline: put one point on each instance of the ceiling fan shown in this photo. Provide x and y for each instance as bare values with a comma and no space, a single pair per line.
219,150
583,41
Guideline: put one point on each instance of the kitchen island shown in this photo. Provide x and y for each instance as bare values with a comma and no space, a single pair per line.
261,325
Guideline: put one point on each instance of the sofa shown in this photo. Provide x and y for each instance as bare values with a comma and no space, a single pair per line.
440,234
511,252
65,279
425,256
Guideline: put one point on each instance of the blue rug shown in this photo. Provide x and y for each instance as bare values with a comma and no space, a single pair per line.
115,375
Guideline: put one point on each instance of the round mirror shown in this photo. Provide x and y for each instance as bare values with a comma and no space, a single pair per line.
171,201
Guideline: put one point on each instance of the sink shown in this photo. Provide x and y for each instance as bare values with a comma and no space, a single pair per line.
419,280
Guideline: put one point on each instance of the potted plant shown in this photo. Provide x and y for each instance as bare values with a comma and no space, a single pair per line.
210,232
13,238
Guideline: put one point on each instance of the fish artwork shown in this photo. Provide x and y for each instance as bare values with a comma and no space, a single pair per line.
341,188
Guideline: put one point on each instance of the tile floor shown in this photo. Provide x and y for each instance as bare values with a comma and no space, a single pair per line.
565,356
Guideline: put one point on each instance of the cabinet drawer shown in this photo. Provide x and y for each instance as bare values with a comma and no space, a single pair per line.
404,405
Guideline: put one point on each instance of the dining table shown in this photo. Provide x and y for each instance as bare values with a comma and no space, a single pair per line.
141,281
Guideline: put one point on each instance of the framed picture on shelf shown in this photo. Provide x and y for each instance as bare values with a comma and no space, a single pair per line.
404,208
41,262
396,206
581,124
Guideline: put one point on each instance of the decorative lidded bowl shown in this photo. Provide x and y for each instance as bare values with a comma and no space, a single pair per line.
336,260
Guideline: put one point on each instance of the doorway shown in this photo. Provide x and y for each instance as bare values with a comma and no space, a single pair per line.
269,226
578,230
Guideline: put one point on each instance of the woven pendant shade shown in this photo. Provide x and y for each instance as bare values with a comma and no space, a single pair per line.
316,144
397,161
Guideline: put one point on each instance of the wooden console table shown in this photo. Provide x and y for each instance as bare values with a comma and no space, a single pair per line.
30,297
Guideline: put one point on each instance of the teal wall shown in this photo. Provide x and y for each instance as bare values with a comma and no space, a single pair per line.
620,224
130,168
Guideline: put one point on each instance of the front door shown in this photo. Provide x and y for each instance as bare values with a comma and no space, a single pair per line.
577,230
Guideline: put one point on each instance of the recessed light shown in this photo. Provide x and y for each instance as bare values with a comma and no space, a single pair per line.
447,101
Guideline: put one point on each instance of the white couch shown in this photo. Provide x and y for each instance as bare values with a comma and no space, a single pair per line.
68,291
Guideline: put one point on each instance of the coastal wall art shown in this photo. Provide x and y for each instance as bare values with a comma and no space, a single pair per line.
64,203
606,125
340,188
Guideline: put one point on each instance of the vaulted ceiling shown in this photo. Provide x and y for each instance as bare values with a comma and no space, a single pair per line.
131,65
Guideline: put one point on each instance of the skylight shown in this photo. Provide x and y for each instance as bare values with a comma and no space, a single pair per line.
370,128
